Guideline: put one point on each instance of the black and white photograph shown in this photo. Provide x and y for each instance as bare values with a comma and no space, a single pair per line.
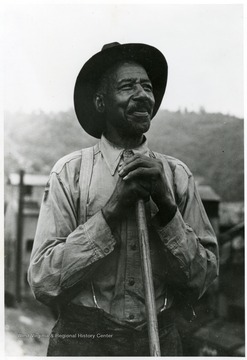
123,179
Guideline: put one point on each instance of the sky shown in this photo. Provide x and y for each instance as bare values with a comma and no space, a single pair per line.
45,46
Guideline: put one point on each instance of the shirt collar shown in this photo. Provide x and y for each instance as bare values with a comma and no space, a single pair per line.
112,154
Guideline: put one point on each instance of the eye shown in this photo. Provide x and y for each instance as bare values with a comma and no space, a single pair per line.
126,86
147,87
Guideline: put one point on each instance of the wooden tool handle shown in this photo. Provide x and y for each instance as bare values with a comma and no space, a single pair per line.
152,322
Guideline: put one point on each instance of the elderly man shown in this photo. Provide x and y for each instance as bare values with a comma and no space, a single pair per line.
86,258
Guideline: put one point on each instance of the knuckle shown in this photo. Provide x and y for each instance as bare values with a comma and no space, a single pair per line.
136,157
139,160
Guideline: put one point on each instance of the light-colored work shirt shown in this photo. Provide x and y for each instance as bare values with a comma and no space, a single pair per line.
92,265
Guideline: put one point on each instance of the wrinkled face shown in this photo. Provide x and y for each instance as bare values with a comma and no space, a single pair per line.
128,99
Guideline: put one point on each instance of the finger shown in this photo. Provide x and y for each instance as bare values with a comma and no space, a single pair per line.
129,159
135,163
140,193
133,158
139,183
141,172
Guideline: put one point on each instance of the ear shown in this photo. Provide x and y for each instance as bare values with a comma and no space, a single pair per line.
99,103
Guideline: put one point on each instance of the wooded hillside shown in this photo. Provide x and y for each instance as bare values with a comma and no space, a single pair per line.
210,144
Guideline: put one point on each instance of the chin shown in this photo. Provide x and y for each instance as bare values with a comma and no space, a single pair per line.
138,126
142,128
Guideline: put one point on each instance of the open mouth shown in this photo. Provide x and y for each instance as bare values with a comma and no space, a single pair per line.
140,113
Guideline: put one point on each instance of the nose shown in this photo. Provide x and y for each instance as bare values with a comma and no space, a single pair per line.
141,93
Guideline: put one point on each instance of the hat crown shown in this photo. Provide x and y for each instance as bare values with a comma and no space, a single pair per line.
110,45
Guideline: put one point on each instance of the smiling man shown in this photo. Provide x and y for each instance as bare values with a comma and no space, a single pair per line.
126,118
86,258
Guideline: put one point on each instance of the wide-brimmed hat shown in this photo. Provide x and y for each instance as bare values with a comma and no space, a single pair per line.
87,81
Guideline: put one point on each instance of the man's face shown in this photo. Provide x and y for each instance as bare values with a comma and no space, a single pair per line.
128,100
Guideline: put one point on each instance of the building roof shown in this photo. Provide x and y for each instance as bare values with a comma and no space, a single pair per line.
29,179
207,193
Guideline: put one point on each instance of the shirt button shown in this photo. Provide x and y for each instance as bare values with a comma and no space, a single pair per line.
106,250
131,282
131,316
133,247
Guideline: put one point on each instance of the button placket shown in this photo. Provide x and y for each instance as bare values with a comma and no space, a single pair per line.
133,272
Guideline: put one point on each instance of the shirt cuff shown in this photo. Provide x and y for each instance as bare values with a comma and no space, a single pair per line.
172,234
100,235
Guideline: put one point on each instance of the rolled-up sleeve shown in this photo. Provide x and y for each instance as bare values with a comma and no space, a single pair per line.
189,240
64,252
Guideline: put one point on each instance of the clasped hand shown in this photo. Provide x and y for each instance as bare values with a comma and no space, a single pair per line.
140,177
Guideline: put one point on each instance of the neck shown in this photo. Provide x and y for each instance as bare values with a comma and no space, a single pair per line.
124,141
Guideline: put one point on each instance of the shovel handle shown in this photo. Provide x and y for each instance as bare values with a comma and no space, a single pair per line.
152,322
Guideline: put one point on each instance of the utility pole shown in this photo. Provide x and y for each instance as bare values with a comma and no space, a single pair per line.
19,235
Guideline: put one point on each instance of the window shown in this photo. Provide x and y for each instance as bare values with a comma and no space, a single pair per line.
29,245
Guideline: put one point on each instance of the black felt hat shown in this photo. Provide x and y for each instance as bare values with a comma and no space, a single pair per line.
87,81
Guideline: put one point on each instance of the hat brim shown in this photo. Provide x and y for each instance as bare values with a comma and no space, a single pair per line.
148,56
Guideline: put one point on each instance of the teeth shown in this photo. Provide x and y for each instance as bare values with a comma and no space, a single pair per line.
140,113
